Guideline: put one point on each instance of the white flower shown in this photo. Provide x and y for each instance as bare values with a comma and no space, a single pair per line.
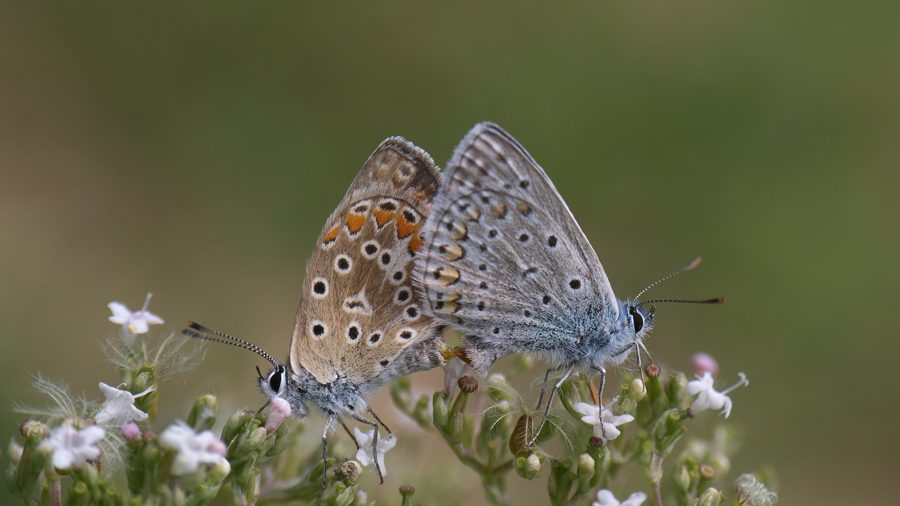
605,424
192,449
606,498
133,323
119,407
708,397
365,440
453,370
70,447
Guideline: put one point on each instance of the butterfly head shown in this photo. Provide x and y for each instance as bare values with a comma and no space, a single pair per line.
279,383
634,323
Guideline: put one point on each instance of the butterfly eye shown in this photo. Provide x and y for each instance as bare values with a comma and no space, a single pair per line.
275,379
637,318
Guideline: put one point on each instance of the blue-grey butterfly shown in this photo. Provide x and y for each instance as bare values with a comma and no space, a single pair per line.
506,263
360,324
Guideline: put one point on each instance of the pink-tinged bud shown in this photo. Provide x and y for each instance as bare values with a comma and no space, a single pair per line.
704,363
279,411
131,431
219,447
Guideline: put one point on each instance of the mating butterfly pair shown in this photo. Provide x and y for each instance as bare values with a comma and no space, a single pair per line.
493,251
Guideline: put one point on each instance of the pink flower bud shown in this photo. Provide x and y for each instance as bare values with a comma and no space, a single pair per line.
279,411
131,431
704,363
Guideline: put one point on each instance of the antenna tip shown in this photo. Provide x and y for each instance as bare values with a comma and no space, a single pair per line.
695,263
720,300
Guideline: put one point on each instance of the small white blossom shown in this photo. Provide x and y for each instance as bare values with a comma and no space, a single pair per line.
133,323
365,440
119,407
192,448
453,370
606,498
708,397
605,424
69,447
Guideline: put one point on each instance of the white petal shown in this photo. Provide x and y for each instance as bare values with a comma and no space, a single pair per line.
586,409
635,499
152,319
121,314
727,410
138,326
605,498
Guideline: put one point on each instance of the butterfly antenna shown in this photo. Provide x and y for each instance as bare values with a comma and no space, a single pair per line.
198,331
688,267
719,300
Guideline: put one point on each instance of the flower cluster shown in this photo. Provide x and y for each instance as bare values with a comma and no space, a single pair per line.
486,423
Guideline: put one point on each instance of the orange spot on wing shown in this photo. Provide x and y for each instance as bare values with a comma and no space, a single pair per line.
404,228
330,236
415,243
355,222
382,216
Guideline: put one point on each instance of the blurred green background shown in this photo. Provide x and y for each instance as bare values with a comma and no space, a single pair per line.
195,151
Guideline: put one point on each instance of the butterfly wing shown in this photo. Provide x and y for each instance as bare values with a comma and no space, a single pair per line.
504,259
359,316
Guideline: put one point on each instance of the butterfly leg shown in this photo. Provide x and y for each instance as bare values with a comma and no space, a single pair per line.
550,401
640,346
386,428
602,372
347,430
544,387
328,425
362,419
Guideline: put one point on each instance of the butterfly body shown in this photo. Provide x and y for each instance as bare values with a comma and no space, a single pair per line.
506,263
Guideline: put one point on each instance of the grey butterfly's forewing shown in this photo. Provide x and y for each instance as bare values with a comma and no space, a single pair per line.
504,260
359,316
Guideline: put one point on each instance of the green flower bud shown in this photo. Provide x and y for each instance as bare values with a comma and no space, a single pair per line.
637,389
586,466
219,472
677,391
711,497
34,430
684,482
143,380
406,492
237,424
248,445
203,413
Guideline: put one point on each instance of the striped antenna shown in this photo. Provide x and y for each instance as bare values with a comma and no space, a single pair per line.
198,331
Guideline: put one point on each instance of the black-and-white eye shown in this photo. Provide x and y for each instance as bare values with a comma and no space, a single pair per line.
411,313
384,261
374,337
398,276
370,249
319,288
405,334
402,296
343,264
354,330
318,329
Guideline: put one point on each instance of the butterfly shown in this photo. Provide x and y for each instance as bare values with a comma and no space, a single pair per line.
506,263
360,324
